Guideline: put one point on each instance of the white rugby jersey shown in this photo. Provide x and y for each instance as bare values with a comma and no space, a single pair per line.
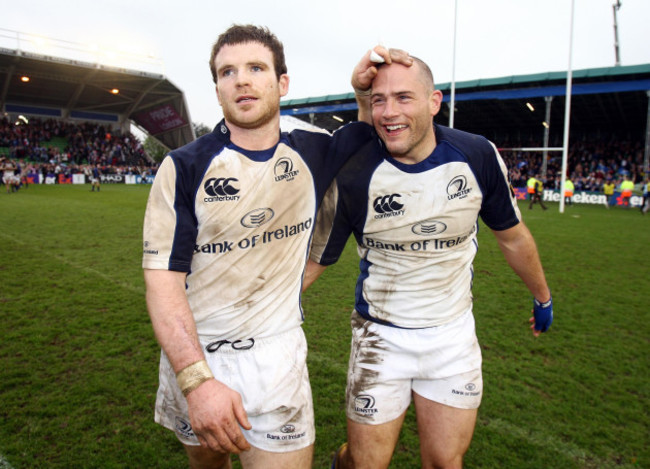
239,223
415,226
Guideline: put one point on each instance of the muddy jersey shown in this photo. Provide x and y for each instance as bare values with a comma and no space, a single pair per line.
415,226
239,223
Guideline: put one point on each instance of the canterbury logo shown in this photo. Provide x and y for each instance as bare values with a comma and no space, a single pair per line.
387,203
221,186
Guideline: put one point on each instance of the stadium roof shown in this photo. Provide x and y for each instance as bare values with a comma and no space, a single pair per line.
64,88
606,100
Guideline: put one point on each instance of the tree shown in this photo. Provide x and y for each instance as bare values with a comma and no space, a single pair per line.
200,129
155,149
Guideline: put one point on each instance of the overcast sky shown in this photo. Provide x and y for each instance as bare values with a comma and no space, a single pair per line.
323,40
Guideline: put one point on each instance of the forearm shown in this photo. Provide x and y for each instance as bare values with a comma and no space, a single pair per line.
312,272
172,318
366,71
520,251
365,111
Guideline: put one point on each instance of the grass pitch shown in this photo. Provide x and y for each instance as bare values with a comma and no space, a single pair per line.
78,359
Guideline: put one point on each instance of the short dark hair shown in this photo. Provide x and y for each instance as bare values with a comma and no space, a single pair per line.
241,34
425,71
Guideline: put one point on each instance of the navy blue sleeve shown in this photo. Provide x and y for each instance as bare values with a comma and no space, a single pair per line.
325,154
499,207
191,162
352,183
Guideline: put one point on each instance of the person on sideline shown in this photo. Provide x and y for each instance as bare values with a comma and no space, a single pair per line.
568,191
645,205
530,186
226,236
537,187
627,186
412,201
608,189
9,176
95,179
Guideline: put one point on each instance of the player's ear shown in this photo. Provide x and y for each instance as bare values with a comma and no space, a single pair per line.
284,84
435,101
216,89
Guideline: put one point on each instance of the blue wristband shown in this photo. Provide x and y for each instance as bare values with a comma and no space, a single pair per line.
543,313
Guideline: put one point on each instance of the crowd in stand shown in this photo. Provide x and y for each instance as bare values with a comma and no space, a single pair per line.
29,143
591,162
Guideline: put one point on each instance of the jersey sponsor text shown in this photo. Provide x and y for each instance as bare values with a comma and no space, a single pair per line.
266,237
426,245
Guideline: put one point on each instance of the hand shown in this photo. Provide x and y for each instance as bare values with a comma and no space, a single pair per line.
366,69
216,411
542,316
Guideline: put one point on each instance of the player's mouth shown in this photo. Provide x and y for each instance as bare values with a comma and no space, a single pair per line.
245,99
394,129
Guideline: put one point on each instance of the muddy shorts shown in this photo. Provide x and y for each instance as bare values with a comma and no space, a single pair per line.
271,376
387,364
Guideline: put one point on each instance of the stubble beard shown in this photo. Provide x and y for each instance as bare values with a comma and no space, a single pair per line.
267,115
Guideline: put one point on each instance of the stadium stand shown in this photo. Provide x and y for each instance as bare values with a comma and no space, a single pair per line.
68,117
35,85
609,128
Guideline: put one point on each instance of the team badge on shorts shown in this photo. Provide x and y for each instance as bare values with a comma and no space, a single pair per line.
365,404
183,428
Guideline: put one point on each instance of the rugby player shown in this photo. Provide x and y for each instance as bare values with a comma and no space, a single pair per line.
226,236
412,200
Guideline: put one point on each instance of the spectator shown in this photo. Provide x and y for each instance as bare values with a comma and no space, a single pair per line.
608,190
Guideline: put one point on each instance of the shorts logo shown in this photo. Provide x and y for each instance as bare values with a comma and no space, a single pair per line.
283,170
221,189
257,217
288,433
183,428
388,206
457,188
288,429
429,227
470,391
365,404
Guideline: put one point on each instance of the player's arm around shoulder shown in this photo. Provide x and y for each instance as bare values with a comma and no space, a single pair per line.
519,249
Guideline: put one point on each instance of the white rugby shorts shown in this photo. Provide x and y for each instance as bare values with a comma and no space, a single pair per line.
273,381
442,364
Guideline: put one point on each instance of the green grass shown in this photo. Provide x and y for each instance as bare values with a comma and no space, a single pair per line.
78,359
